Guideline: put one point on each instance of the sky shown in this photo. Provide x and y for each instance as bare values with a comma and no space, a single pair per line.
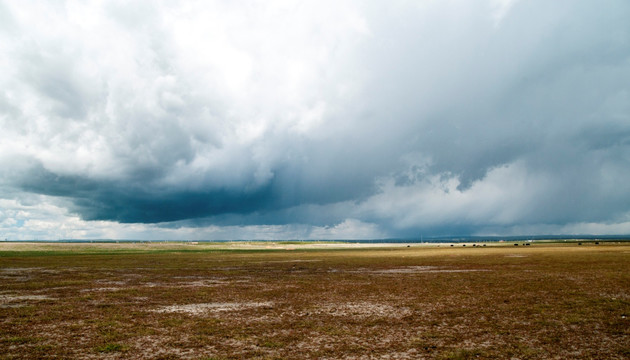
277,119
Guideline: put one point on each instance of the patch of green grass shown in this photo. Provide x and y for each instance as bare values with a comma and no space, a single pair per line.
271,344
332,330
209,326
523,351
574,319
19,340
111,347
171,322
110,331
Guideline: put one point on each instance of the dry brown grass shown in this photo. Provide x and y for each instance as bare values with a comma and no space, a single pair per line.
314,302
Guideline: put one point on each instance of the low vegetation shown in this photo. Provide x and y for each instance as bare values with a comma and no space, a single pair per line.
294,300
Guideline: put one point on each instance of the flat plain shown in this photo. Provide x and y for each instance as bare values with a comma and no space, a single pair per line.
314,301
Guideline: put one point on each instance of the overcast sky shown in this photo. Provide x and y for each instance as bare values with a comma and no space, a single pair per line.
313,119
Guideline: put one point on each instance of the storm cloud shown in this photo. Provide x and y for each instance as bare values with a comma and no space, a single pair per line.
315,119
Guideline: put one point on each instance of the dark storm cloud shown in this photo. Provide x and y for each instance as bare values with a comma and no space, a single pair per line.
440,117
137,203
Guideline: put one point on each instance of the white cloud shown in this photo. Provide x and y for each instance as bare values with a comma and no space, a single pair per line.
505,195
500,9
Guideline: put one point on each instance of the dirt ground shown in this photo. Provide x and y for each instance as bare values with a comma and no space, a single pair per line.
314,301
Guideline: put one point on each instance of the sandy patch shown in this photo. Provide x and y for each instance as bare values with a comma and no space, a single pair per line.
417,270
9,300
160,346
615,296
31,270
102,289
406,270
363,310
11,271
143,246
194,283
198,309
286,261
203,283
111,282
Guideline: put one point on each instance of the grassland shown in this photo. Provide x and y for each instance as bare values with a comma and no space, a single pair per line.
317,301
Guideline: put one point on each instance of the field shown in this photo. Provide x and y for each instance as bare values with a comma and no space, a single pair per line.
314,301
